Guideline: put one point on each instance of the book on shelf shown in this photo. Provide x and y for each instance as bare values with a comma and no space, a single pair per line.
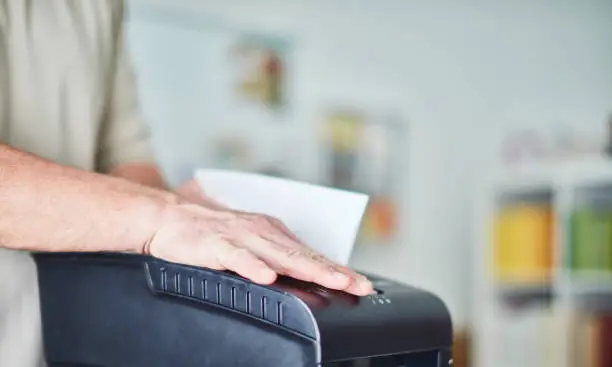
523,243
591,239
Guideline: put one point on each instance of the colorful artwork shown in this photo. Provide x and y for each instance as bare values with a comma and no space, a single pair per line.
261,69
362,155
343,136
380,220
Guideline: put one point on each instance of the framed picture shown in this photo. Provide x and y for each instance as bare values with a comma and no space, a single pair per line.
260,64
362,153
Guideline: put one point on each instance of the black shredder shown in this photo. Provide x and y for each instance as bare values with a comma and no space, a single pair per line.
110,310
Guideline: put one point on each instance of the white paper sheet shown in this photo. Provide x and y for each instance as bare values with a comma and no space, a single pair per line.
326,219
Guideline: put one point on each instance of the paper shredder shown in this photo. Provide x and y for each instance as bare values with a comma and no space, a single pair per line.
116,310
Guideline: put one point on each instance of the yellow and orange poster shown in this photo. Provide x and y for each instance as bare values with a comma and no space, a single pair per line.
361,153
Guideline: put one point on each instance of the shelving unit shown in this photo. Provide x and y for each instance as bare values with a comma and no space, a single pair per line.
543,249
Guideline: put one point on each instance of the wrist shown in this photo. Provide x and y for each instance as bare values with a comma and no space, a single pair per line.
146,217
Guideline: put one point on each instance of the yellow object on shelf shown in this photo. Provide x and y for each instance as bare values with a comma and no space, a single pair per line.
344,131
523,244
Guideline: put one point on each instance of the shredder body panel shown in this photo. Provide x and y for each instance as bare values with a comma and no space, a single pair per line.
103,314
109,310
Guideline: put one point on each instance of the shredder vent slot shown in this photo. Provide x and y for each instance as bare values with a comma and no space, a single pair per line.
177,283
190,286
164,279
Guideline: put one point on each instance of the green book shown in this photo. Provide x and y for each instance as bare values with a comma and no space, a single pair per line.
591,239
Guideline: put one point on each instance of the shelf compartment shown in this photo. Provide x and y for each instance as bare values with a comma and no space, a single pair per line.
523,240
589,233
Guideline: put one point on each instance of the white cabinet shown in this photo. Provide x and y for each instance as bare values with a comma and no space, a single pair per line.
528,323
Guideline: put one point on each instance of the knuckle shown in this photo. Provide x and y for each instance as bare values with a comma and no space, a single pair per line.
316,257
291,253
265,220
275,221
332,268
290,258
254,221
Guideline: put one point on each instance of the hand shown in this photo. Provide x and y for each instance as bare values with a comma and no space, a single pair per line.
255,246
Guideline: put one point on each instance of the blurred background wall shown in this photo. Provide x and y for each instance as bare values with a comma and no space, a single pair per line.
461,76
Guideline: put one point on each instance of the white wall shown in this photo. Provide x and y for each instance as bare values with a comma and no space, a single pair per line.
463,73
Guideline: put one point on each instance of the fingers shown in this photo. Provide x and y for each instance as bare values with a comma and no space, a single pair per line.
302,263
318,269
308,265
360,285
245,263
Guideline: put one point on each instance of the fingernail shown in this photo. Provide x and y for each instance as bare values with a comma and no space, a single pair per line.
366,285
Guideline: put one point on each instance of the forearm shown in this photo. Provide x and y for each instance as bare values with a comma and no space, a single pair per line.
48,207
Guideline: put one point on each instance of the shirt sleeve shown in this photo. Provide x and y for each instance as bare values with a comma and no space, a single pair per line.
124,136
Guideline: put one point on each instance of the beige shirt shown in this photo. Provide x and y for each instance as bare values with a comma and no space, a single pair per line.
67,93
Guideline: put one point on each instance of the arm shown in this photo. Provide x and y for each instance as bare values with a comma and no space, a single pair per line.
46,207
52,208
42,206
126,141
